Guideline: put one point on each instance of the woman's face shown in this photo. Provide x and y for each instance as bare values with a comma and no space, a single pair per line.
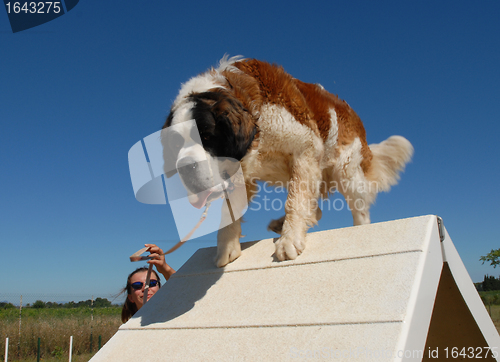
137,296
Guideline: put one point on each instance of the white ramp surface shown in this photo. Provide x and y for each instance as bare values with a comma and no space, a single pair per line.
391,291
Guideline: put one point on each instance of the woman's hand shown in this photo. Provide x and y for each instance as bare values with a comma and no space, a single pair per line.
158,260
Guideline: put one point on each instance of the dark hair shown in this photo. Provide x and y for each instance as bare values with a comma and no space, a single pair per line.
129,308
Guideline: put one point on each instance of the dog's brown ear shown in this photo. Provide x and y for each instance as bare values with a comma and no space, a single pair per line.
234,123
169,154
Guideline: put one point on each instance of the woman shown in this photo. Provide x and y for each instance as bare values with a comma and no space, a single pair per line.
137,279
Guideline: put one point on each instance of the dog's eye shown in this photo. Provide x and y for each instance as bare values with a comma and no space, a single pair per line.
202,133
175,141
203,136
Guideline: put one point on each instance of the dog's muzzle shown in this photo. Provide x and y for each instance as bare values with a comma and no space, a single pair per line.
201,179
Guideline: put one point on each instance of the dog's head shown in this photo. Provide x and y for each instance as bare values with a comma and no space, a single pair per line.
204,138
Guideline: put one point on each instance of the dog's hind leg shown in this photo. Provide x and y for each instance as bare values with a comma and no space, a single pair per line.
359,204
359,196
276,225
351,182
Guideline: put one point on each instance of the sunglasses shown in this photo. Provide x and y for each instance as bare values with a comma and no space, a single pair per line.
139,285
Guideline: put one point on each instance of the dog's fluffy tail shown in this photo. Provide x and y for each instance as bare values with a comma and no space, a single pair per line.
389,159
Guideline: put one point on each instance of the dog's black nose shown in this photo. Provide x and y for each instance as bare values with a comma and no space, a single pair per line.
187,163
196,175
188,168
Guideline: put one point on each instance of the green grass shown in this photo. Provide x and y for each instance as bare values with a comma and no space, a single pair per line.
84,357
494,311
491,300
490,297
54,327
11,313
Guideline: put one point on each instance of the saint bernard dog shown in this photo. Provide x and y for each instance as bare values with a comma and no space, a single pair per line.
282,131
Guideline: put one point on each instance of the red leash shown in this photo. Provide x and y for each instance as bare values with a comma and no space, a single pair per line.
137,255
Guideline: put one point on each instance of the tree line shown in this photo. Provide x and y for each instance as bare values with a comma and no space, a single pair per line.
490,283
97,303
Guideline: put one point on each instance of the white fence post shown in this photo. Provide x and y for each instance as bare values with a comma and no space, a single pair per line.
70,347
6,349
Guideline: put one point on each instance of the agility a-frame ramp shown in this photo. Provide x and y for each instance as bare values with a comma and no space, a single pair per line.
392,291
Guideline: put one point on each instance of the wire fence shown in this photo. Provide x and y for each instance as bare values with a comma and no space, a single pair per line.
42,326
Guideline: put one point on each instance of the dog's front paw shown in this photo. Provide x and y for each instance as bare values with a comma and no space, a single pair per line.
227,253
289,248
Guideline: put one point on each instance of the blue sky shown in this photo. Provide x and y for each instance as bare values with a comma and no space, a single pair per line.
77,92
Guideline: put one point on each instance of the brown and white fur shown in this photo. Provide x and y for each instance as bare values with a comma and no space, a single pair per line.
287,132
